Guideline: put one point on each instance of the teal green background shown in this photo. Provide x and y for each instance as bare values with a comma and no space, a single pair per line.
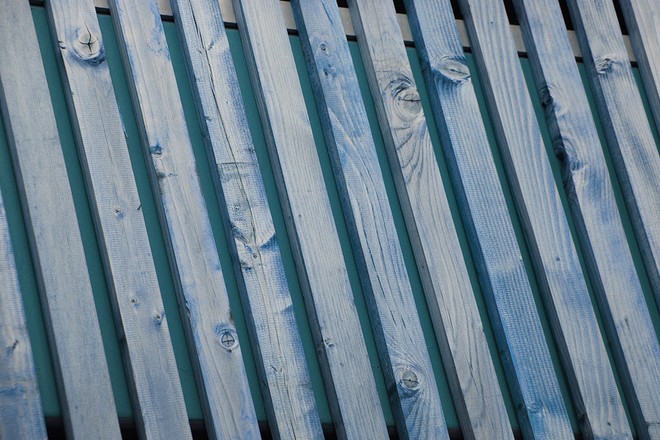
27,276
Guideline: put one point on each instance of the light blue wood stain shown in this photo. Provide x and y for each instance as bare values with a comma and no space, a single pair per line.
57,250
449,292
643,22
394,318
627,129
212,337
148,354
21,414
591,196
258,262
484,206
347,372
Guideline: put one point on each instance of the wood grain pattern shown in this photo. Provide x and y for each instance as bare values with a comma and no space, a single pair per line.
636,347
627,130
643,22
258,262
212,338
347,372
400,340
449,293
55,242
21,414
130,271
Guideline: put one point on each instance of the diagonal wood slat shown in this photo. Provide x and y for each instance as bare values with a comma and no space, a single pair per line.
55,242
21,413
212,338
130,271
321,267
400,340
258,262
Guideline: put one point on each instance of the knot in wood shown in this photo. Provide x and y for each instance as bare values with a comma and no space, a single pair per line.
227,337
408,380
606,64
453,70
407,103
88,47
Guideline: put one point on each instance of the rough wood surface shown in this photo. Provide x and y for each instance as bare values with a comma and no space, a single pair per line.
347,372
212,338
158,402
21,414
437,250
394,318
643,22
258,262
55,242
627,129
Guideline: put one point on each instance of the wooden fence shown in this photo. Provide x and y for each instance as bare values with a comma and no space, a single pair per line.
471,240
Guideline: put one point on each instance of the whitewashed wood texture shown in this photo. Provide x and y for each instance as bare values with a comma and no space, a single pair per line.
347,372
212,337
55,242
591,196
489,226
400,339
21,414
627,129
643,21
160,410
447,285
258,262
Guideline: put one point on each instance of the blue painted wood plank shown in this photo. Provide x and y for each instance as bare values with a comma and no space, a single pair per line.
21,414
75,338
394,318
211,333
321,267
258,262
149,360
627,129
643,22
419,183
455,106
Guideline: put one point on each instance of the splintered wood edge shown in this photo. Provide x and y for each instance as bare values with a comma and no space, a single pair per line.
230,18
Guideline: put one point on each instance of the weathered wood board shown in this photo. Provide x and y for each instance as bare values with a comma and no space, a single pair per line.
21,413
130,271
627,129
321,267
55,242
394,318
212,337
258,262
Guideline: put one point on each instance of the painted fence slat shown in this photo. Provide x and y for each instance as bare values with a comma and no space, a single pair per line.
400,340
643,21
447,286
56,245
258,262
489,226
130,271
212,338
21,414
539,206
591,196
321,267
627,130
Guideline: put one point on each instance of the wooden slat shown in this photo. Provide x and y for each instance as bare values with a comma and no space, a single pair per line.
474,173
130,271
400,339
258,262
643,22
347,371
21,414
212,338
590,193
75,338
539,207
627,130
437,250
